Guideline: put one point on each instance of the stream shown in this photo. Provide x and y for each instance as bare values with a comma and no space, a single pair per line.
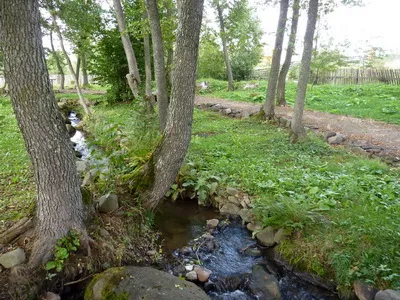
235,253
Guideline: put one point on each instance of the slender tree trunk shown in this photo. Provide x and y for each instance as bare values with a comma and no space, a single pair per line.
85,80
297,127
281,99
147,63
170,153
82,99
133,77
59,206
269,105
170,53
225,47
58,63
78,68
159,64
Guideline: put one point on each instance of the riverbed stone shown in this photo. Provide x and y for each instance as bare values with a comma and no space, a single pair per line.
12,258
108,203
253,252
81,166
281,235
230,209
202,273
234,200
254,227
191,276
71,129
388,295
266,237
189,268
232,191
264,285
213,223
246,215
364,291
141,283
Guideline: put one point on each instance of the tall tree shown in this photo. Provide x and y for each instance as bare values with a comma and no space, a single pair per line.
297,127
133,77
223,37
58,61
281,99
159,64
147,63
59,206
269,105
169,155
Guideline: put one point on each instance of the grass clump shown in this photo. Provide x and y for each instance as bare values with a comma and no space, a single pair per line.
375,101
342,208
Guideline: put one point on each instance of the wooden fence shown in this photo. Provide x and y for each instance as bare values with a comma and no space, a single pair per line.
345,76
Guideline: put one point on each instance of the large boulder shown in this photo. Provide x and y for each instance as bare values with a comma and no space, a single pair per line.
388,295
141,283
12,258
364,291
264,285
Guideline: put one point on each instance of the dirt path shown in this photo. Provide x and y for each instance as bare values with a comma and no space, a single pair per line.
377,138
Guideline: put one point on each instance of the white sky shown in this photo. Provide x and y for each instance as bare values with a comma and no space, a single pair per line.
376,24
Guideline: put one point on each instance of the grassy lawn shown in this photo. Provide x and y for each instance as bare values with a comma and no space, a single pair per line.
342,209
375,101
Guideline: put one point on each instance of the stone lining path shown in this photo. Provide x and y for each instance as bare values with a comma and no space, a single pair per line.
366,136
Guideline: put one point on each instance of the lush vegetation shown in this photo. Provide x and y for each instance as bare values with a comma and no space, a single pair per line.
376,101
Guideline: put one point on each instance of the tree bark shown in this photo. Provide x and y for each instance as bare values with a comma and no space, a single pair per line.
147,62
78,68
269,105
58,63
281,98
225,47
297,127
59,206
133,77
159,64
85,80
82,99
170,153
170,53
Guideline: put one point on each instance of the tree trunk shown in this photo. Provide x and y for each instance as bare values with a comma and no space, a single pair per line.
170,52
58,63
269,105
82,99
225,47
159,64
78,68
297,127
170,153
85,80
147,62
59,206
133,77
281,98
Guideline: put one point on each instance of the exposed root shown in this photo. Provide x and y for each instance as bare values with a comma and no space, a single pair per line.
19,228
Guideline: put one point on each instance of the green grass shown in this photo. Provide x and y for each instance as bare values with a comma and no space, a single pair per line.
375,101
17,189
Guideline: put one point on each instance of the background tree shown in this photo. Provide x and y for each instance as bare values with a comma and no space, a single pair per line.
280,98
169,155
297,127
219,6
59,206
133,76
269,105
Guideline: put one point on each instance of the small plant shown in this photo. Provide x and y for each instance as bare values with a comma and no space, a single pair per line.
65,246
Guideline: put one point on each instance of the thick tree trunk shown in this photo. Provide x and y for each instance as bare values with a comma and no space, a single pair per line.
58,63
78,68
85,80
133,77
269,105
159,64
82,99
170,153
297,127
59,201
281,98
225,47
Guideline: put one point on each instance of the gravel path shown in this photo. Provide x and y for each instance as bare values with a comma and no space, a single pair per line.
372,136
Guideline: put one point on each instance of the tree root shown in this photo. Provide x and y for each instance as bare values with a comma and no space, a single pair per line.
19,228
